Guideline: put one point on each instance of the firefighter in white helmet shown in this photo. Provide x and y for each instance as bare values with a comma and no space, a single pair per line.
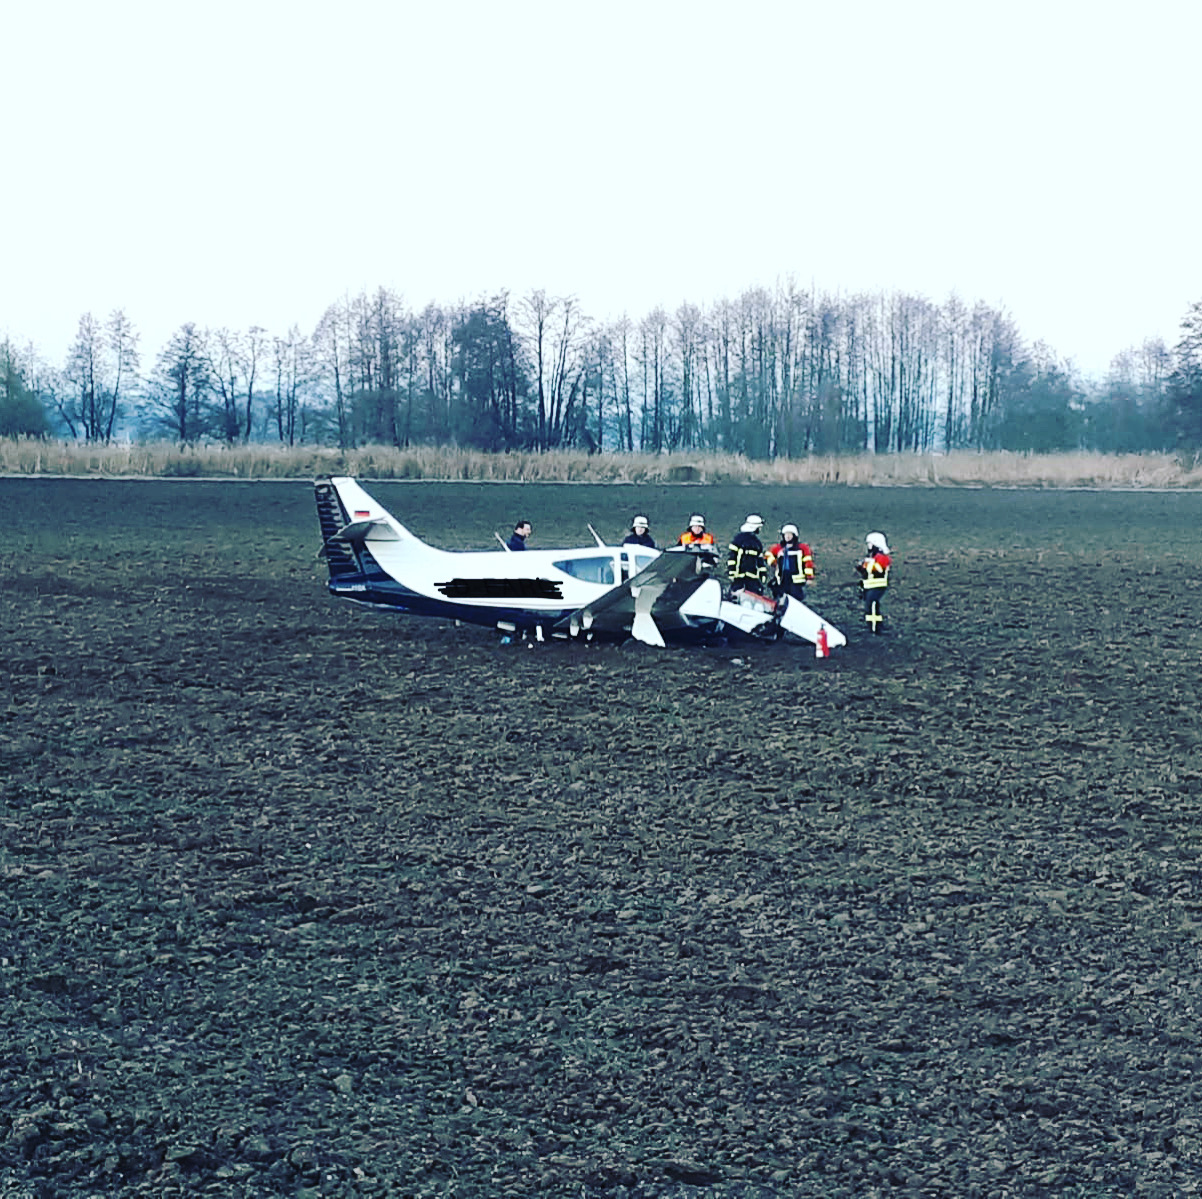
873,570
696,533
640,533
790,563
745,566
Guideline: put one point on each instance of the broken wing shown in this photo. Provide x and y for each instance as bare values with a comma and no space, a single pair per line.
649,601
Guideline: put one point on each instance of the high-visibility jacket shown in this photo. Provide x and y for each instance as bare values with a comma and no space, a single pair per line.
794,560
745,561
687,538
874,571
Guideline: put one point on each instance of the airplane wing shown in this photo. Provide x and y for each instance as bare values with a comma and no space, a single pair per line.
655,593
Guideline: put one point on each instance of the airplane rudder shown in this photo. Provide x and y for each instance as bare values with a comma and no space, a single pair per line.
331,516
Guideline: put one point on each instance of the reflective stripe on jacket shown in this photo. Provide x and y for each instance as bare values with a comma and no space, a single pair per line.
745,560
874,571
794,560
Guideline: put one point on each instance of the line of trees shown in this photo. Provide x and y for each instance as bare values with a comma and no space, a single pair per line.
782,373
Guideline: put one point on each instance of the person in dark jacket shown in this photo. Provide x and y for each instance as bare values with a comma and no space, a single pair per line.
745,559
639,533
517,539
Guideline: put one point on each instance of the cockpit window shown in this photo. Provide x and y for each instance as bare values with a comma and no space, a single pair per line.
589,570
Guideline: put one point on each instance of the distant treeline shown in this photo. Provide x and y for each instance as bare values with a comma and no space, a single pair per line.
782,374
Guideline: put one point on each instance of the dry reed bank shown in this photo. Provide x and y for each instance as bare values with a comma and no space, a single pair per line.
959,469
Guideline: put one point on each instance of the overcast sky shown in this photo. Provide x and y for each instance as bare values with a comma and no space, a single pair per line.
252,162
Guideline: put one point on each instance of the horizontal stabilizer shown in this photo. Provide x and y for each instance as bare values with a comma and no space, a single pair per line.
804,622
744,617
705,603
368,530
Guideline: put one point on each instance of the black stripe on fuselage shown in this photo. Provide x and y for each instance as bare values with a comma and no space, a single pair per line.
514,589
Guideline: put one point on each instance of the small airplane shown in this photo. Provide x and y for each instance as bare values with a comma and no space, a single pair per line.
598,591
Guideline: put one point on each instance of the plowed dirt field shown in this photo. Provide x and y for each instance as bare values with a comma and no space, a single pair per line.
304,900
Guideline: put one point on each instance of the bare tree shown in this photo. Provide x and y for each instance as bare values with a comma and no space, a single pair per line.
254,346
224,363
821,386
1185,383
432,354
723,331
652,357
688,329
955,325
81,407
331,343
122,344
101,366
292,370
755,359
994,348
621,333
791,312
177,400
605,367
554,330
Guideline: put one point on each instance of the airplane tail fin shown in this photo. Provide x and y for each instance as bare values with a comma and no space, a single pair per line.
351,523
333,518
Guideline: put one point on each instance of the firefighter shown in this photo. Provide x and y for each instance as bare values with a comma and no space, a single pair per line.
873,570
639,534
695,534
745,565
791,563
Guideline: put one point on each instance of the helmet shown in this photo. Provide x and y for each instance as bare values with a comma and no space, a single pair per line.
697,520
753,524
640,522
786,530
876,543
